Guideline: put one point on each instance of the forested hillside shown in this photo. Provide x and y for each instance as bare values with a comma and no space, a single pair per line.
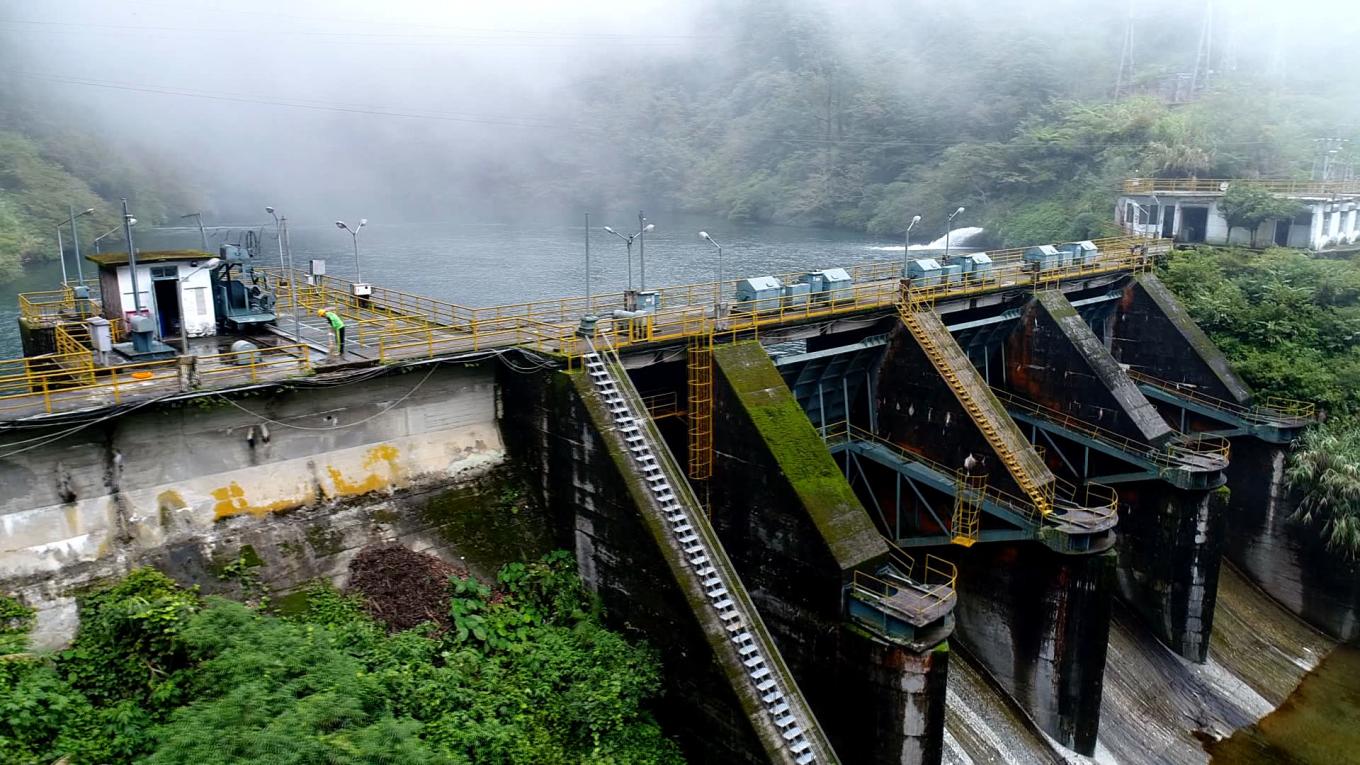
808,116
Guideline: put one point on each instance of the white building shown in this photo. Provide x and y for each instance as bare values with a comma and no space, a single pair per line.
1186,209
173,287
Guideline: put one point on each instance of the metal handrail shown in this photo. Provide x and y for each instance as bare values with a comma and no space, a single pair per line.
1275,409
1163,459
1220,185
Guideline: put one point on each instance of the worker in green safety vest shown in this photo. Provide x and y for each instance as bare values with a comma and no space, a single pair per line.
337,325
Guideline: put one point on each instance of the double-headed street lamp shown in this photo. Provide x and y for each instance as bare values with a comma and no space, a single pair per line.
354,235
114,230
75,242
949,229
906,248
628,241
202,235
717,307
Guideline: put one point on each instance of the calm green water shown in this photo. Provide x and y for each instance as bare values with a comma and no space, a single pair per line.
1319,724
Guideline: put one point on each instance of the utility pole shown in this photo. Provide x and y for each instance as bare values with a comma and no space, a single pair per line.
292,280
587,261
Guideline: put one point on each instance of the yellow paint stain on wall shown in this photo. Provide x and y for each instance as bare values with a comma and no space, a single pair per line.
382,454
170,500
231,500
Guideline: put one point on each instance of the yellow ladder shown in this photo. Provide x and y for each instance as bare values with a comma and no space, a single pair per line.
701,407
1041,498
968,493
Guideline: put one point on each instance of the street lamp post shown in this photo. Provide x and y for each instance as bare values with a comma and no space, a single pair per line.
211,263
113,230
906,247
202,235
949,229
132,259
354,235
642,251
717,303
628,241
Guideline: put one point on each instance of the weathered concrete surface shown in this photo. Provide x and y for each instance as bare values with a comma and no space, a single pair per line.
1287,558
918,409
188,485
1038,622
1154,334
1170,552
795,531
551,433
1157,705
1054,358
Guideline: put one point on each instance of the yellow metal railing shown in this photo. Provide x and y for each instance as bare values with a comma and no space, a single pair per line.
968,494
1273,410
57,305
662,405
1219,185
1172,457
700,368
945,366
933,582
253,365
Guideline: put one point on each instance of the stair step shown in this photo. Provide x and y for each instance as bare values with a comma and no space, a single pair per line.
754,662
779,709
785,721
766,684
747,649
774,697
723,604
760,673
698,559
793,733
806,758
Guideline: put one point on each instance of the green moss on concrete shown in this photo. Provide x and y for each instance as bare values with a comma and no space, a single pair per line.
490,522
799,452
325,541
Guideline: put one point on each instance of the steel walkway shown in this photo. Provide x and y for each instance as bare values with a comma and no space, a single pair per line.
1278,421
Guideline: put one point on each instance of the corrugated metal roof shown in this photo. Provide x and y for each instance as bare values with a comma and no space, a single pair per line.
147,256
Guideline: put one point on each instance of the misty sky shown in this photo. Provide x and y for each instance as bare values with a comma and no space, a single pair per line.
318,105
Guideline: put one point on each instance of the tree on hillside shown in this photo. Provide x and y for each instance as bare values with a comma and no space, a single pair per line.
1248,207
1326,472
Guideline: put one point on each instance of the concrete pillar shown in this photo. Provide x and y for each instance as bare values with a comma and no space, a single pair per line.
1284,558
796,532
1352,230
890,699
1316,233
1334,228
1176,222
1171,544
1040,622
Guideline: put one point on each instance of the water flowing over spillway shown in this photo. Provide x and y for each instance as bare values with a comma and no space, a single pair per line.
1154,701
957,238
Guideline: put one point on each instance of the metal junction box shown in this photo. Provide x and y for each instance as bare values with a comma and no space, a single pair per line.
926,272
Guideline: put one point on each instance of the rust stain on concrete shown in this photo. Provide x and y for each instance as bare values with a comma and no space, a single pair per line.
377,479
231,501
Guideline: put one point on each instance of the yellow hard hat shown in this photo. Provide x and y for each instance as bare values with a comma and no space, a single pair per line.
321,312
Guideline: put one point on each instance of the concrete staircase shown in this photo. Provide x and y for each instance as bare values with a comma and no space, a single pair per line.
972,393
777,710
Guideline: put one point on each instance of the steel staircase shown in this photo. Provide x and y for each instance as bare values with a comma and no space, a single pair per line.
947,360
799,737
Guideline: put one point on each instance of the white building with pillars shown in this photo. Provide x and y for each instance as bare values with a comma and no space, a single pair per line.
1186,210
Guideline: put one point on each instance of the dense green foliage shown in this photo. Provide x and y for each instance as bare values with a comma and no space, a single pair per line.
807,117
1290,323
159,675
1326,471
1248,207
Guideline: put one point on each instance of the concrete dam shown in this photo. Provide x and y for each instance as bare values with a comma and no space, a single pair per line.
1031,517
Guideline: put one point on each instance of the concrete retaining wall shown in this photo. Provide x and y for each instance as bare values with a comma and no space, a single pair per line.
188,484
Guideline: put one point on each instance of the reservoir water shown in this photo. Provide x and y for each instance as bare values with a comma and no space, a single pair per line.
497,263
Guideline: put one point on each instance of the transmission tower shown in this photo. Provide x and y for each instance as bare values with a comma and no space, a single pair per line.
1123,85
1199,80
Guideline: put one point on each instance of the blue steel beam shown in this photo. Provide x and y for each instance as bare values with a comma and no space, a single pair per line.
928,476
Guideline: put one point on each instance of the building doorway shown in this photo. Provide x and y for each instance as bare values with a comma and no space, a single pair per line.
1194,223
1282,232
165,291
1168,222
